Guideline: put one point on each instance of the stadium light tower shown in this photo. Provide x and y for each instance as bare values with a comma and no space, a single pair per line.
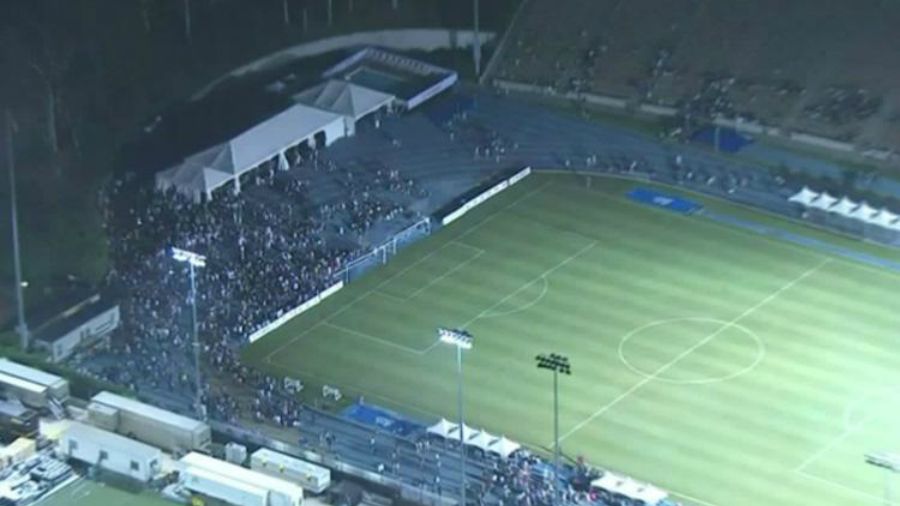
890,462
194,262
22,325
476,44
558,364
462,340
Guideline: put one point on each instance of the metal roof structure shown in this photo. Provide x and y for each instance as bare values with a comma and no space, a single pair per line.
240,474
125,404
31,374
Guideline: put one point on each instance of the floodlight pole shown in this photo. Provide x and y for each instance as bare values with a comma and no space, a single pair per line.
198,401
462,443
476,44
460,339
556,434
22,325
557,364
194,260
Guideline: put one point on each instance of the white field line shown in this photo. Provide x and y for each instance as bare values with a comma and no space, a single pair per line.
400,273
540,297
850,490
466,245
665,367
692,499
444,275
848,430
821,451
390,296
380,340
544,274
376,289
502,210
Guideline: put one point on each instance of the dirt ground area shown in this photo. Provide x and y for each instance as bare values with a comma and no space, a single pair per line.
826,68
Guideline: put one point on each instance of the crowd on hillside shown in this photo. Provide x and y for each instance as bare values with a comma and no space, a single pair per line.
267,249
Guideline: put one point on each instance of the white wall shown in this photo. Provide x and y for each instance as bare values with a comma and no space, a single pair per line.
117,460
425,39
97,327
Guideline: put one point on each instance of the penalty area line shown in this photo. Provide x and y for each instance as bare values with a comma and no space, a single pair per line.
543,275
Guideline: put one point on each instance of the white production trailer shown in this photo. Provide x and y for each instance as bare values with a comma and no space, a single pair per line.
57,387
210,484
311,477
111,452
152,425
236,484
31,394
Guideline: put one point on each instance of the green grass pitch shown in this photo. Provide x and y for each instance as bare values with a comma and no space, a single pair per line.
729,368
91,493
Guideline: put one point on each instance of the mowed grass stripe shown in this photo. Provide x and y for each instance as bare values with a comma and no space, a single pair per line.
828,341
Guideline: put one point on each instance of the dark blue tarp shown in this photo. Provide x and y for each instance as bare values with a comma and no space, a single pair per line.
383,419
730,141
663,200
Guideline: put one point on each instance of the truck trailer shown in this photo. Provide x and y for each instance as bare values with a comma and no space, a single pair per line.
235,484
111,452
313,478
166,430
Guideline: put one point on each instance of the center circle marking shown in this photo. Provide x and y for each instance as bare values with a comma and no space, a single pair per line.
760,351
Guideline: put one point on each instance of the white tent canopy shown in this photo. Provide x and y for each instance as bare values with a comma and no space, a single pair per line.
844,207
864,212
468,433
443,428
504,447
634,490
203,172
344,98
482,440
885,218
474,437
823,201
804,196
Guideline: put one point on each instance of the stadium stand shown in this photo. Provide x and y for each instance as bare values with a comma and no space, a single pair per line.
292,233
713,60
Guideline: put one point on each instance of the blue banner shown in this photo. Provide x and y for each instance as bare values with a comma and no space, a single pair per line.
383,419
670,202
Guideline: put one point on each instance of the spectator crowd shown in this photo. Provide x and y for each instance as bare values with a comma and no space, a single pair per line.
268,249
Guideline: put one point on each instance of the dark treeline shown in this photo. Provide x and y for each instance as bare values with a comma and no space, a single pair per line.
82,77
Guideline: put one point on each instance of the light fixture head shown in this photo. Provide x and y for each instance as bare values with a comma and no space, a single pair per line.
457,337
554,362
182,255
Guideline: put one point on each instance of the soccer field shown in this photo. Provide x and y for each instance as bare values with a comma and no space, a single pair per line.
727,367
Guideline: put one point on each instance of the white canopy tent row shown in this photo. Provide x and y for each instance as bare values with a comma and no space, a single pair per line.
824,201
632,489
804,196
844,207
860,211
472,437
349,100
202,173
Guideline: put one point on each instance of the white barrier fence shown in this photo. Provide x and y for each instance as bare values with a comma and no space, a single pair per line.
483,196
302,308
